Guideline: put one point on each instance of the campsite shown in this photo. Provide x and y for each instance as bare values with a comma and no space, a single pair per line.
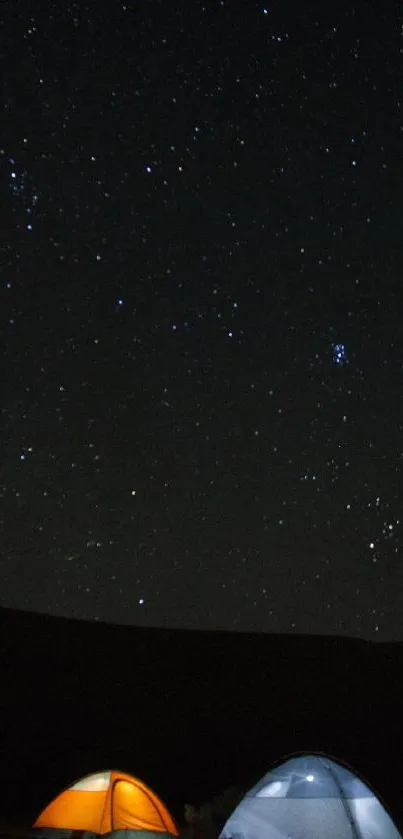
201,471
200,718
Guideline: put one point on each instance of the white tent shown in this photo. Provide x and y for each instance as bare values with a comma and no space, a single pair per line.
310,797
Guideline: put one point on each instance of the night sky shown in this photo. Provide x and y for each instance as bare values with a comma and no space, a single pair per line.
201,235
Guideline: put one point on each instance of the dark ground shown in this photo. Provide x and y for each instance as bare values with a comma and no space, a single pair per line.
189,712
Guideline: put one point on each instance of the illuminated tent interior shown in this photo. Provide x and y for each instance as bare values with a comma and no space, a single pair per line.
109,804
310,797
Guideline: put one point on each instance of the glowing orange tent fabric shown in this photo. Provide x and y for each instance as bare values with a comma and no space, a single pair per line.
105,802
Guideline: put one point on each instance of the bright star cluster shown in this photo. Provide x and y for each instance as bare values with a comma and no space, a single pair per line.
202,351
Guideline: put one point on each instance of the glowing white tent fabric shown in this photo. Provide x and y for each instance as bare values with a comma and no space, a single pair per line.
310,797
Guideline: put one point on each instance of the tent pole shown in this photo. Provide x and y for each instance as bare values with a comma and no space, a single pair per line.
354,828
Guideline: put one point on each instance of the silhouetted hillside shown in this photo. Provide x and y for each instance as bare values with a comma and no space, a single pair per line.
189,712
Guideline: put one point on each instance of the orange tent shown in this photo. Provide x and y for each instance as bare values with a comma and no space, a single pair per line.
103,803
